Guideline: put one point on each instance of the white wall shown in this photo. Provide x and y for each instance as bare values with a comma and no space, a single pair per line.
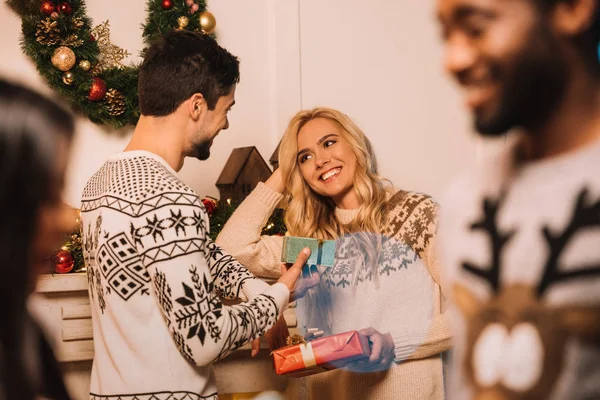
380,62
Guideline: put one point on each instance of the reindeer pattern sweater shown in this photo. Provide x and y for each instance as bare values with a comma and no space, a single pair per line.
521,247
155,282
408,304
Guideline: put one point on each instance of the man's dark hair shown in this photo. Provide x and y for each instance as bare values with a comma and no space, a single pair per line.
181,64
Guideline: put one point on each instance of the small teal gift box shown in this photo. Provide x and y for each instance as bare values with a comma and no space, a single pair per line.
322,252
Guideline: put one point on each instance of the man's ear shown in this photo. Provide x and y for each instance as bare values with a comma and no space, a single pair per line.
197,106
571,18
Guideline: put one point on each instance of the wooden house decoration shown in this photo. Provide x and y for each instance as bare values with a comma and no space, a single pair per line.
242,172
274,160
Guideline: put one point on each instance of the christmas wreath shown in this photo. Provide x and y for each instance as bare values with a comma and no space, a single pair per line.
80,62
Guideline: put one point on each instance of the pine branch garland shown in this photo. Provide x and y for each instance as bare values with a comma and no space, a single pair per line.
73,244
274,226
41,35
23,7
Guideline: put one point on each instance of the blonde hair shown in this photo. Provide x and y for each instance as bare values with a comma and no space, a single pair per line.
309,214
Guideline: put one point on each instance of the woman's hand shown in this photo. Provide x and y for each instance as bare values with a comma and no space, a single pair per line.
382,352
275,181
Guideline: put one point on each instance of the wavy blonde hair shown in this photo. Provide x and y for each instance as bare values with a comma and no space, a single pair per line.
309,214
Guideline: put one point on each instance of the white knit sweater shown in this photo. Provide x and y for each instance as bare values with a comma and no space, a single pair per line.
154,281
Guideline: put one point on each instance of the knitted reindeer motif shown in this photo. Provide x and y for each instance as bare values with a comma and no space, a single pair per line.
515,341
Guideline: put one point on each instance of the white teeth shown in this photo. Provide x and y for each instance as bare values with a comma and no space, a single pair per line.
329,174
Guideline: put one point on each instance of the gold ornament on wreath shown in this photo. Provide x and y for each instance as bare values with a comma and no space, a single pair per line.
110,55
85,65
182,22
208,23
59,36
63,58
68,78
71,41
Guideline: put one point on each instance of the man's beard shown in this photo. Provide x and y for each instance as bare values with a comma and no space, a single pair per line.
531,88
202,150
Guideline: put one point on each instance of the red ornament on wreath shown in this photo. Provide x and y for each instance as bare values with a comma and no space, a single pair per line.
63,262
98,89
210,205
47,7
65,8
167,4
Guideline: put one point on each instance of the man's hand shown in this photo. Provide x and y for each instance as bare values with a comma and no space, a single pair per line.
279,332
382,352
310,278
290,276
276,337
255,347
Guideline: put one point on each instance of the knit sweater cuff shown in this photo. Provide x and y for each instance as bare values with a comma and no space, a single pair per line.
407,344
280,294
265,195
253,287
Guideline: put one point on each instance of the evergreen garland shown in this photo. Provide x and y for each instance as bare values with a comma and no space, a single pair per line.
74,245
274,226
43,34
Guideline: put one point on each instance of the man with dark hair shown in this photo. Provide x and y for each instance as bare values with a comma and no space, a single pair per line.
185,67
520,233
155,278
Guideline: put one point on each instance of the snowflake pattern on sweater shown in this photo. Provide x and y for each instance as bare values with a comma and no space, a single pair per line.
149,259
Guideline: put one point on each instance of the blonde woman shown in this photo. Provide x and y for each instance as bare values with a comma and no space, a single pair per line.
385,282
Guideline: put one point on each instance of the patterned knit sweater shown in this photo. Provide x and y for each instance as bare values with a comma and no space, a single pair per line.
154,283
520,242
408,304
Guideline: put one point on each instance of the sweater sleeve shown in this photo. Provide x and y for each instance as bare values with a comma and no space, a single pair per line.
232,280
420,231
439,336
175,250
241,235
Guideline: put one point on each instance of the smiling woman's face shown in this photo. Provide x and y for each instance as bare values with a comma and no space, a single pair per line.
327,161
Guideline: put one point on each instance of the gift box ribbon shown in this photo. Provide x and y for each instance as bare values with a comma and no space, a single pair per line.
308,355
322,251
